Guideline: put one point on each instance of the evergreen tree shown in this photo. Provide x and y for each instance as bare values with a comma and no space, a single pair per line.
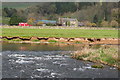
95,19
15,20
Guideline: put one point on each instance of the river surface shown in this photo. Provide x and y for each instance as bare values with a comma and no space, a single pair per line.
48,61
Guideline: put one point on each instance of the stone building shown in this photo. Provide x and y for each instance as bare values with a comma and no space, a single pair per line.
68,22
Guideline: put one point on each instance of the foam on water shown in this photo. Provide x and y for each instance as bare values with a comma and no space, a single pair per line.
43,70
88,67
54,74
21,61
64,64
49,64
78,69
17,55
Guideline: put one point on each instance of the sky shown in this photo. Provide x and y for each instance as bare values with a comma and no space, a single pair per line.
59,0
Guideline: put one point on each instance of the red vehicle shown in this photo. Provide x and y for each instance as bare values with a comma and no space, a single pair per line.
24,24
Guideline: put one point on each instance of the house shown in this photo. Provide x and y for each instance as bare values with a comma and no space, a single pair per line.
68,22
24,24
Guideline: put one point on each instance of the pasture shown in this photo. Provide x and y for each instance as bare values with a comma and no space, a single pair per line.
68,33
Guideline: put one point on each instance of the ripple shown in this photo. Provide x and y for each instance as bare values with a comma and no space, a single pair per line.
78,69
57,58
56,62
43,70
38,58
53,75
88,67
64,64
16,55
23,61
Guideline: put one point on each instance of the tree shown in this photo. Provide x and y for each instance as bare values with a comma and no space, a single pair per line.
104,24
5,20
67,23
77,5
9,12
114,23
22,14
93,24
95,19
88,23
115,14
65,7
39,23
4,14
15,20
31,21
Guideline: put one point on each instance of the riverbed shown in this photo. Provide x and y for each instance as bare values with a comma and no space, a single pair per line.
49,61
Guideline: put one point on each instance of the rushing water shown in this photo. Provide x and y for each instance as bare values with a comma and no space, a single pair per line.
48,61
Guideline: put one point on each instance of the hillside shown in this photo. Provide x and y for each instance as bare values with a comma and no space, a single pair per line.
18,5
91,12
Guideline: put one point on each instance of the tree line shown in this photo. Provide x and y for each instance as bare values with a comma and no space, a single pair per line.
91,14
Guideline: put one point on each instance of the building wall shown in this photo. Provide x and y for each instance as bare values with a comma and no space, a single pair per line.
67,21
74,23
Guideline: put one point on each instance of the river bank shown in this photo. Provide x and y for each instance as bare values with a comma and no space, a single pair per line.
61,40
107,55
104,54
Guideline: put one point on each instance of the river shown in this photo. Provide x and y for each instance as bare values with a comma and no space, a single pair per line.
49,61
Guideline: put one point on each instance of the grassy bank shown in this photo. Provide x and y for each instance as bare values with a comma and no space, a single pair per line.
106,55
88,33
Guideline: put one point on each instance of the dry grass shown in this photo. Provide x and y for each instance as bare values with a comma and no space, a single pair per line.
106,54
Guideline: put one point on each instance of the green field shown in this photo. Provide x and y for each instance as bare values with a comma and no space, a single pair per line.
18,5
22,32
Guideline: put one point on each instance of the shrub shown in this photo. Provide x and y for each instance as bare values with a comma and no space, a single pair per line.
114,23
39,23
88,24
54,41
78,42
49,24
97,66
93,24
31,21
104,24
35,40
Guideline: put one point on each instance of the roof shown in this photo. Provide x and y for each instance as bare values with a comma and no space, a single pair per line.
70,19
47,21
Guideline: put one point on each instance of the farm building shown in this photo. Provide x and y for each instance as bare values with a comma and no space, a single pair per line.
81,24
24,24
46,22
68,22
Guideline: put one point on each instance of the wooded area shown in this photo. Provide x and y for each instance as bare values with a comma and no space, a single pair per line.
91,13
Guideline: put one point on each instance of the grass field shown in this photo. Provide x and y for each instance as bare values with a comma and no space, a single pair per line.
21,32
